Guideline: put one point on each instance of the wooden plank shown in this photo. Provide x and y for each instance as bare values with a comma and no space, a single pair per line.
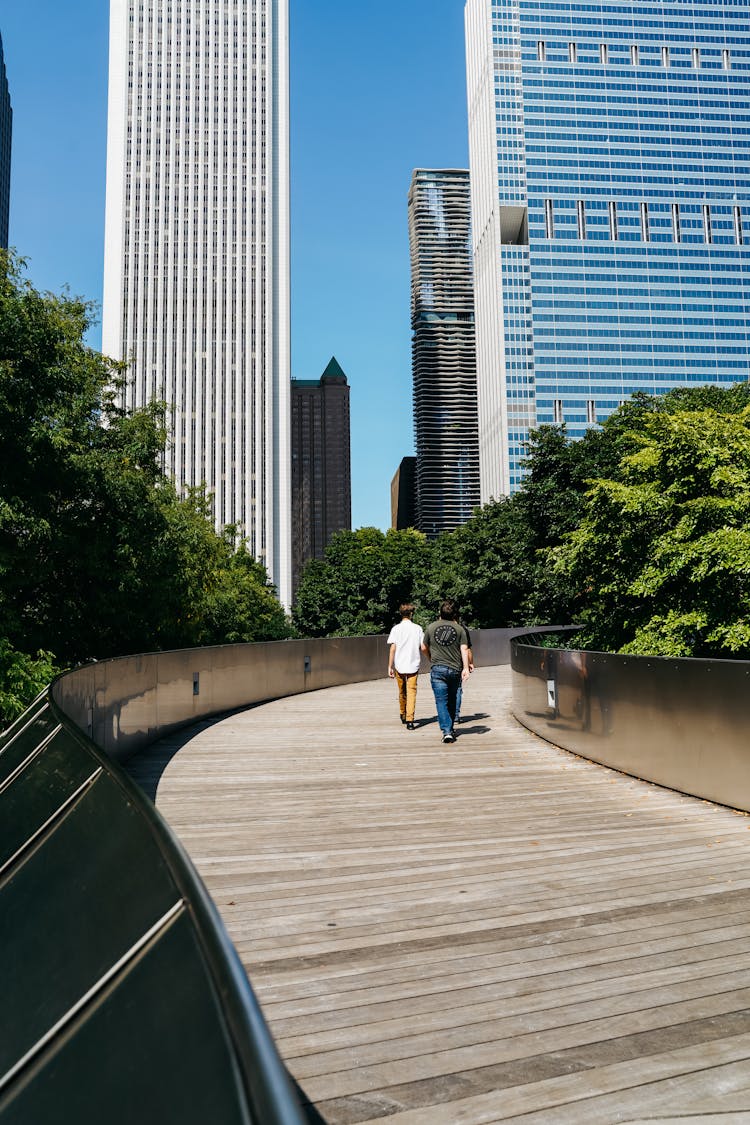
489,931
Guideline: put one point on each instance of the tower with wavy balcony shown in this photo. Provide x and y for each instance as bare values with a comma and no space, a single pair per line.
443,349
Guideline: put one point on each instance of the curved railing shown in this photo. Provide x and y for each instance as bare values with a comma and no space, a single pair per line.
122,997
681,723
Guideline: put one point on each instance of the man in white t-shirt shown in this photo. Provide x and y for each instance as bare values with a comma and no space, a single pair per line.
404,658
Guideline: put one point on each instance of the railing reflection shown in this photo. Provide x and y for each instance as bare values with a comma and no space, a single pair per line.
681,723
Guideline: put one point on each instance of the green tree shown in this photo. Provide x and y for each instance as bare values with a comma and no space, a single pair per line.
495,563
661,558
99,555
356,588
22,677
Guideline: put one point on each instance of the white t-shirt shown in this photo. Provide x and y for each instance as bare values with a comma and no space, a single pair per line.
407,637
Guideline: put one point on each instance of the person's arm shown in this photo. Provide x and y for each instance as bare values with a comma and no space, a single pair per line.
391,658
465,661
471,660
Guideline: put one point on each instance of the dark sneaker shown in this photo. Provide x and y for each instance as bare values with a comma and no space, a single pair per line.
449,737
403,718
410,726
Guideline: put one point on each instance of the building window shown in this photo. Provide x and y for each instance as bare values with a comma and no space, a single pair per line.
696,57
613,220
726,61
541,50
665,56
676,232
603,53
707,232
581,213
557,411
634,54
738,236
644,222
591,412
549,219
572,53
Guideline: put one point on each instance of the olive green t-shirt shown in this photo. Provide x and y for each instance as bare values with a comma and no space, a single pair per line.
444,640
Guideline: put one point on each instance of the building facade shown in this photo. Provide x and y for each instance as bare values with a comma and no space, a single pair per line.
610,165
404,495
321,465
443,349
6,135
196,287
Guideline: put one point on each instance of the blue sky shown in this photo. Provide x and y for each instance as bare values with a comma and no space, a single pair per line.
376,91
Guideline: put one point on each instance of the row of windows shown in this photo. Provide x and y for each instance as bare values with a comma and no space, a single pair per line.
645,220
635,54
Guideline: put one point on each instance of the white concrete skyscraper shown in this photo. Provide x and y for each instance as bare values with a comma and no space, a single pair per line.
196,287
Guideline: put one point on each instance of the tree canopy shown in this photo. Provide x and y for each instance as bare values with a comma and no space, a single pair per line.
99,555
356,588
638,531
661,558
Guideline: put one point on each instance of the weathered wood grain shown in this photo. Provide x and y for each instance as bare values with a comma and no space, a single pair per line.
485,932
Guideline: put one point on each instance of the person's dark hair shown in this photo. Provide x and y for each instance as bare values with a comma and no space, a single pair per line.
406,610
449,610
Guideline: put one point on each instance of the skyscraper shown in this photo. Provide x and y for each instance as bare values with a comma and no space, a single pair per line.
196,288
610,166
321,467
443,349
6,133
404,495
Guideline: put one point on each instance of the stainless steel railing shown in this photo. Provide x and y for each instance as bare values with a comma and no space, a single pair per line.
680,723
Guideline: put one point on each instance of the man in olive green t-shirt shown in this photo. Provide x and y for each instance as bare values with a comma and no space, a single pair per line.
447,645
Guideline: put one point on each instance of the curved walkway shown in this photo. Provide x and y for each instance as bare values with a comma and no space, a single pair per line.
490,931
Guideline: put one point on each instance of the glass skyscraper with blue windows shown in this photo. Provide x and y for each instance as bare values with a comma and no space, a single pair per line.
610,165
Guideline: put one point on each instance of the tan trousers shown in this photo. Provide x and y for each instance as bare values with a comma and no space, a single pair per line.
407,693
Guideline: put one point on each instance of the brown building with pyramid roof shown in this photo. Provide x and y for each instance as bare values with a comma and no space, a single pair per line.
321,470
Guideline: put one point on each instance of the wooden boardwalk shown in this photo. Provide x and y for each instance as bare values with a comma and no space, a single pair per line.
493,931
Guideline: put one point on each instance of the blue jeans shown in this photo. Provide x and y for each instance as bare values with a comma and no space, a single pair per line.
445,683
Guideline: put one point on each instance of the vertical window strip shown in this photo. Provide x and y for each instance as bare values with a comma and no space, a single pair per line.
665,56
738,234
549,219
707,232
644,222
572,52
696,57
581,213
676,231
726,60
613,220
557,411
603,53
634,53
541,50
591,412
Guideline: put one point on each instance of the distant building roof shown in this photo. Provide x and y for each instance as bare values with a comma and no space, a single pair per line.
333,371
332,374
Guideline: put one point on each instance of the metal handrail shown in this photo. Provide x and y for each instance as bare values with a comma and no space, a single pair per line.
267,1085
678,722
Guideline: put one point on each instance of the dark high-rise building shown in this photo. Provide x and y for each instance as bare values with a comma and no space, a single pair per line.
443,349
321,471
404,495
6,131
